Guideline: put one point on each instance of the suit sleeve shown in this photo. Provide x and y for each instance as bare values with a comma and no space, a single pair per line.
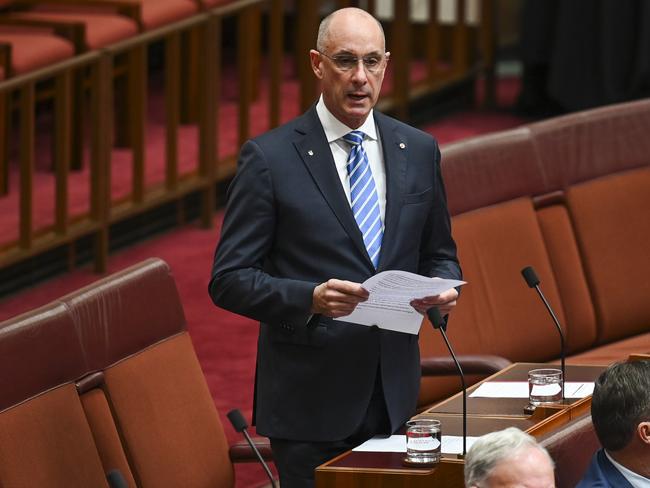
438,250
239,282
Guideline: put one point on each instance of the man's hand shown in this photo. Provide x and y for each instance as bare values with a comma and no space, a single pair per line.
336,298
445,302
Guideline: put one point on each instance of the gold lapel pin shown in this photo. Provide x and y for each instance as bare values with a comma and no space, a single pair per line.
402,145
310,152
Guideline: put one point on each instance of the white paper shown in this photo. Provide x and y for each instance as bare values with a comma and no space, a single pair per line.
393,443
451,444
519,389
578,390
389,303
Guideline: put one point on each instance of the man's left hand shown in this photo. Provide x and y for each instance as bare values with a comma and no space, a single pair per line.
444,301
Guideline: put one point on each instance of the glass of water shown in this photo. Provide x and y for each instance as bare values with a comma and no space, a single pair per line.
545,386
423,440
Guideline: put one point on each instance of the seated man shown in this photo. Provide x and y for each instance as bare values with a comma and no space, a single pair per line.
508,458
620,411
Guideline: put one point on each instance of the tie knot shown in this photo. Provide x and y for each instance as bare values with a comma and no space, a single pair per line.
354,138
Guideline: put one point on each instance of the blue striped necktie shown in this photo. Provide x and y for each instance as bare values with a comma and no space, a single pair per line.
363,193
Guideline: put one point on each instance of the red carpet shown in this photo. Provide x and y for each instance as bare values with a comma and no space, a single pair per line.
225,343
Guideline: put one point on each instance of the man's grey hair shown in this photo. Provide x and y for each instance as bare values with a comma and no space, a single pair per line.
493,448
323,29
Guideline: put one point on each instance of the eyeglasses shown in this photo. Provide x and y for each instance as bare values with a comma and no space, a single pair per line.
373,63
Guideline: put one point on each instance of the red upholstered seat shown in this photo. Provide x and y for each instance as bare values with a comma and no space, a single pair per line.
156,13
215,3
614,351
31,49
102,27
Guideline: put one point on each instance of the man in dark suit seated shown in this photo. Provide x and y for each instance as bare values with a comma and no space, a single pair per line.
318,206
620,411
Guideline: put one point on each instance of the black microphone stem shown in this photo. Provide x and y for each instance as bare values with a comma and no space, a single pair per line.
259,456
559,329
462,382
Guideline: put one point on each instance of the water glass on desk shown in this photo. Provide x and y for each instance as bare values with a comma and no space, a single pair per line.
544,386
423,441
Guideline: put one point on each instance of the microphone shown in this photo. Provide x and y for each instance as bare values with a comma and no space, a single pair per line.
533,282
115,479
239,424
439,322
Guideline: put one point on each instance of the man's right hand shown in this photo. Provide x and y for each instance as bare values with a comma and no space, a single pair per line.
336,298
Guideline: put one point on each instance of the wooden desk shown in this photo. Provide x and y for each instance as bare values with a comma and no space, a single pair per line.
385,469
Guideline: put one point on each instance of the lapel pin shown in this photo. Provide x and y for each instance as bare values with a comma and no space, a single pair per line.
310,152
402,145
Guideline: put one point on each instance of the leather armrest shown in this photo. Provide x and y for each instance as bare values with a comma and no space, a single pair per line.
483,364
5,60
241,452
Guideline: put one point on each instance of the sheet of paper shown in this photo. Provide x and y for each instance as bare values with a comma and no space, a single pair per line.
519,389
451,444
391,292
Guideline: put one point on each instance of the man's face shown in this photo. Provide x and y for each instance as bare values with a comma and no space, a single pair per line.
351,93
529,468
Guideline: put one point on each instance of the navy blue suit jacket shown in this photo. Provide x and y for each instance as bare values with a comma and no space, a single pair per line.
288,227
601,473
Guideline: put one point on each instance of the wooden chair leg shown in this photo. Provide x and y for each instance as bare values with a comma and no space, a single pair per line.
255,51
77,128
4,144
62,148
307,18
172,93
137,102
26,161
122,133
190,66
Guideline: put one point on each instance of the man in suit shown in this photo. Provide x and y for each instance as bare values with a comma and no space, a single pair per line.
620,412
318,206
506,459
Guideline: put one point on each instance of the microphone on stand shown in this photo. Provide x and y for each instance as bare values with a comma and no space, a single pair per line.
438,322
239,423
533,282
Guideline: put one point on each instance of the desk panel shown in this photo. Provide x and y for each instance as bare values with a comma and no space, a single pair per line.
371,469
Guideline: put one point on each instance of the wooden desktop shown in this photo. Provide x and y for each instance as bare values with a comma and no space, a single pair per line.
484,415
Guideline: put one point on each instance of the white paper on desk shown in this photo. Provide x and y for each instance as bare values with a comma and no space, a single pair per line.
451,444
519,389
391,292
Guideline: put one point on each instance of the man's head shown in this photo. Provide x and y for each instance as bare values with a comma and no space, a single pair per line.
509,458
620,407
350,89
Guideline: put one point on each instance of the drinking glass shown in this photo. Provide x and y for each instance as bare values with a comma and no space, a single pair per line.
544,386
423,440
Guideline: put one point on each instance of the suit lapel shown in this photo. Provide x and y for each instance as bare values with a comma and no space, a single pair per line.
395,149
317,156
610,472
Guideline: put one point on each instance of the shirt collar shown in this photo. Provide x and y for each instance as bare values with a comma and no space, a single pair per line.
635,479
335,129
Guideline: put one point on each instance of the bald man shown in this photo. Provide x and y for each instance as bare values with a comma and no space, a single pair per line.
318,206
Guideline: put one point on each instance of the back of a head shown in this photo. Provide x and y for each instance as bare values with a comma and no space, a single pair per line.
489,450
621,400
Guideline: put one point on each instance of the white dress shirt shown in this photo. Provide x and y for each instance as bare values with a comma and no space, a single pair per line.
635,479
334,131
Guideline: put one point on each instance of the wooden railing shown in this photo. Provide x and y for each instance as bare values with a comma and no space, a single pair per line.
201,38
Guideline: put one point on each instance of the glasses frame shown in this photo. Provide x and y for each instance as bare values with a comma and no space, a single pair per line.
381,66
